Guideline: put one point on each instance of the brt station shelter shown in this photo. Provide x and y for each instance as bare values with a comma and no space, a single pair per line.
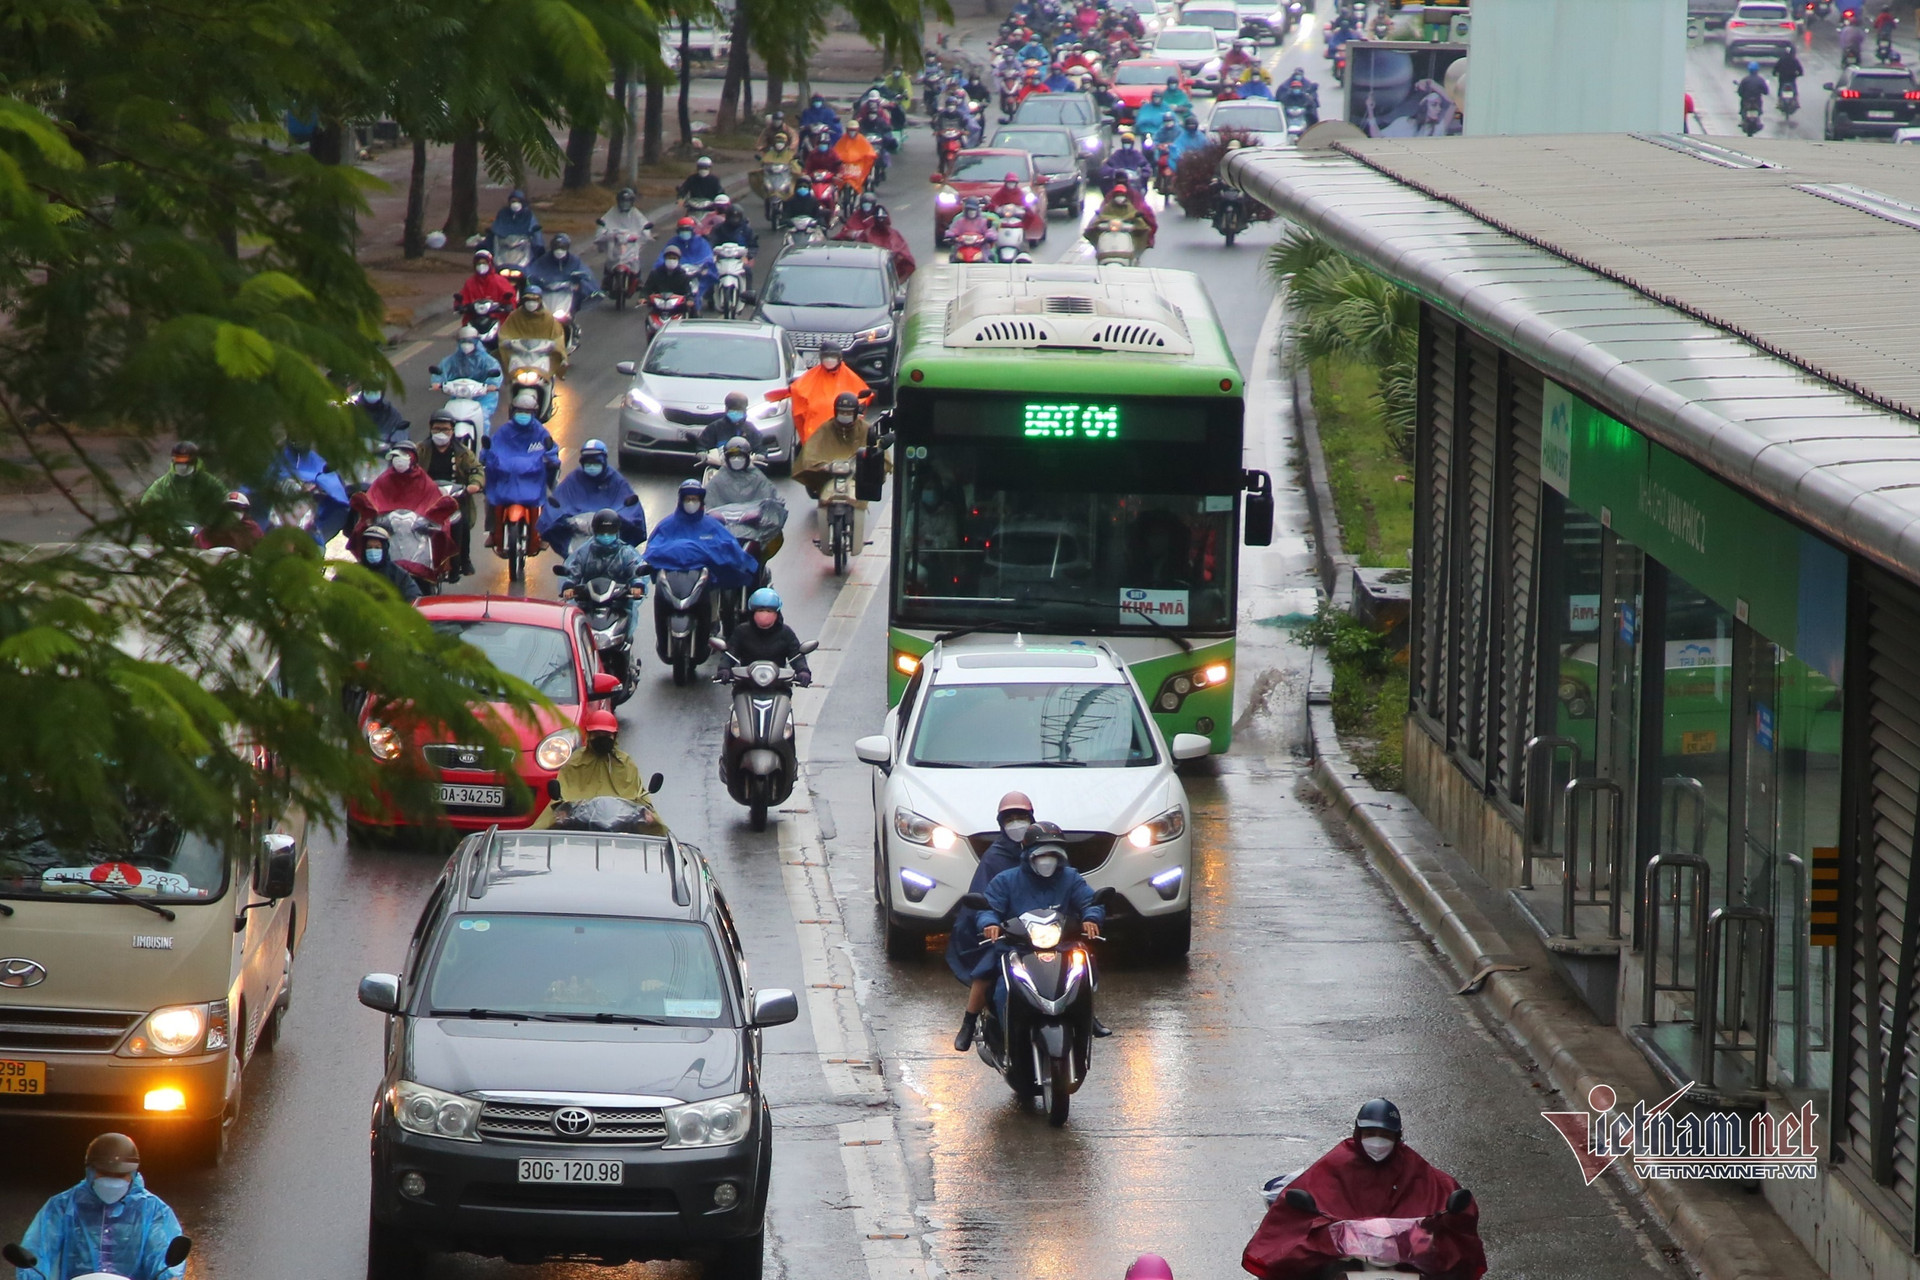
1668,551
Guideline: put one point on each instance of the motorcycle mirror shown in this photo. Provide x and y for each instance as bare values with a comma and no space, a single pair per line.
1301,1199
1460,1201
559,571
18,1257
553,789
809,647
1106,895
716,644
486,442
656,782
936,179
177,1250
625,368
434,371
975,901
633,500
1828,85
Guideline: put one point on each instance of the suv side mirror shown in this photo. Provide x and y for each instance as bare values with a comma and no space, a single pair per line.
876,750
1191,746
1301,1199
774,1007
381,992
282,860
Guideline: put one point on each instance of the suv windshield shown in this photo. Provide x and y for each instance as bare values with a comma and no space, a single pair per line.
1005,726
152,859
688,352
1043,146
796,284
991,168
1051,109
542,656
583,968
1185,40
1218,19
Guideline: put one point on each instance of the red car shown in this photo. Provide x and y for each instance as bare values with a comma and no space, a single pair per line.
1136,78
982,172
543,642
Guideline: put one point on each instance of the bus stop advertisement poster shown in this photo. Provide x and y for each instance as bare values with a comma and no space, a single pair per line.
1400,89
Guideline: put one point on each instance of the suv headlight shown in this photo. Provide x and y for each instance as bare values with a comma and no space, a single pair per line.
914,829
771,409
1170,825
713,1123
879,333
382,741
176,1029
433,1112
556,748
640,400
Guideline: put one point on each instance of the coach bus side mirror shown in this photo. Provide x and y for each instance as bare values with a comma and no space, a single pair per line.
1259,486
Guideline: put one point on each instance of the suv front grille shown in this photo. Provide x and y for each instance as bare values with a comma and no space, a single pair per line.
1087,851
803,341
533,1122
73,1029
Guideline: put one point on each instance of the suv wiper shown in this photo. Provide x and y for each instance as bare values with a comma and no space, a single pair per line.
123,896
639,1020
483,1014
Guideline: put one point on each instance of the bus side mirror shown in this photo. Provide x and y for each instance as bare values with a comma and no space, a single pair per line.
654,784
280,866
870,475
1259,486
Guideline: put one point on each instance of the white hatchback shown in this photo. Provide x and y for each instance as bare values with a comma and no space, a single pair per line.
1063,722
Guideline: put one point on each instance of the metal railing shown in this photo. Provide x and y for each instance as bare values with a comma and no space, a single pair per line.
1720,955
1536,839
1616,832
1671,858
1802,1000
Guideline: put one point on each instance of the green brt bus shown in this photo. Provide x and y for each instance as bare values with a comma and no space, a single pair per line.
1068,444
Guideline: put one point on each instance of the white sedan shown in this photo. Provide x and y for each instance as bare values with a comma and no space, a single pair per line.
1265,120
1063,722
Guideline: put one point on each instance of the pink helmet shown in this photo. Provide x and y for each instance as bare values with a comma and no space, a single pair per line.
1149,1266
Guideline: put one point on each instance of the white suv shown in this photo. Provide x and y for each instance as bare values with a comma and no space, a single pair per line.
1759,29
1063,722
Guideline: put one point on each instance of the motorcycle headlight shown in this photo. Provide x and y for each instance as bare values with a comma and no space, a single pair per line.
716,1122
527,377
914,829
1044,936
1170,825
879,333
556,749
435,1113
1090,144
640,400
946,200
382,741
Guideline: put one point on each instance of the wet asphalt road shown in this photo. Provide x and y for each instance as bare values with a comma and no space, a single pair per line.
1711,80
1307,991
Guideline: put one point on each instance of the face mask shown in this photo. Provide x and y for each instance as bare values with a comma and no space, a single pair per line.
737,462
371,397
683,235
601,744
830,363
1377,1149
376,554
523,418
844,417
1015,829
607,539
1046,866
765,618
466,348
691,507
533,305
481,269
594,468
441,439
112,1190
559,255
736,415
514,206
402,464
183,468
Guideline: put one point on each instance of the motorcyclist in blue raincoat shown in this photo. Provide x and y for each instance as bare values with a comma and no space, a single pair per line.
1298,91
1034,51
471,360
1042,882
1058,81
819,113
517,218
606,554
560,267
1176,97
972,958
109,1222
593,486
389,428
1190,139
688,539
696,258
323,486
521,461
1150,115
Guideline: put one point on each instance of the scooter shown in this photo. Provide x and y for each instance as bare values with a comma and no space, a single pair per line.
757,759
663,307
683,617
484,316
466,399
1789,99
623,267
1045,1046
529,366
949,142
24,1260
803,231
1229,212
562,302
730,290
512,255
1883,48
969,246
777,175
1296,119
1749,117
610,624
1369,1246
1113,244
824,186
842,512
1010,237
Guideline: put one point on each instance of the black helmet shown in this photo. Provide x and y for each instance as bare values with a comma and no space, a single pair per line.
187,449
606,520
439,416
626,196
830,349
1043,833
846,400
113,1154
1378,1113
563,241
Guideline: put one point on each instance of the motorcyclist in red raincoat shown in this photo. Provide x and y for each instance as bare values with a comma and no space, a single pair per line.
880,231
1373,1174
405,486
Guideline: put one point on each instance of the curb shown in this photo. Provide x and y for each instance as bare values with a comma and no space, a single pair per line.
1329,542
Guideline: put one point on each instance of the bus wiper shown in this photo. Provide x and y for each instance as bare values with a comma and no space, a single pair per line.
1186,646
122,896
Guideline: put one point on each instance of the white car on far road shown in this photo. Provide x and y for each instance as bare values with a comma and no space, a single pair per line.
1062,721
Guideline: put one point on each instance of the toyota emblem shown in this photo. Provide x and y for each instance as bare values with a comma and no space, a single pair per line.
573,1122
17,971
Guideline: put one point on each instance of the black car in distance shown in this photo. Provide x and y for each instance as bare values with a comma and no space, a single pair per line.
1871,102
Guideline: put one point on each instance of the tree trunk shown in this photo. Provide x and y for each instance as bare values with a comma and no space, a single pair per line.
463,206
776,89
686,86
656,108
581,135
617,131
413,238
739,73
329,143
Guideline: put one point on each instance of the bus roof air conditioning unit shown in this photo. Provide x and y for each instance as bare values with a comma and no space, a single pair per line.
1103,319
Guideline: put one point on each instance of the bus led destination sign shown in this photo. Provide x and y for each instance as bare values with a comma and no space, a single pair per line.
1055,421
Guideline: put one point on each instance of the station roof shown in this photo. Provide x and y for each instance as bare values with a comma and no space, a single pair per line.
1748,308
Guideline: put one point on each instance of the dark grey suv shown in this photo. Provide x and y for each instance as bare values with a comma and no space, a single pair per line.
573,1063
840,293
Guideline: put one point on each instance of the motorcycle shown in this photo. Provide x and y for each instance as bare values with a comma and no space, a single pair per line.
969,246
1340,65
624,272
1368,1246
842,515
1789,99
949,142
823,187
516,536
1229,211
665,307
1750,118
803,231
512,255
24,1259
411,544
1163,172
756,754
1045,1046
730,289
529,366
484,316
777,176
1010,236
1883,47
882,141
610,624
1296,119
561,303
683,617
1113,244
466,399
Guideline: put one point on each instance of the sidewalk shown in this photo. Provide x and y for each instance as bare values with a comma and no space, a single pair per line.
1727,1234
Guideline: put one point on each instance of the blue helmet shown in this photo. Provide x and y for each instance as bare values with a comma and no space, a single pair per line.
764,598
693,488
592,447
1753,66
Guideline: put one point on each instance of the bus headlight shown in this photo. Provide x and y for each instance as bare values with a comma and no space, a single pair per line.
1175,689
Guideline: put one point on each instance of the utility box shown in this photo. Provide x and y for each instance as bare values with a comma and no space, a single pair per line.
1574,66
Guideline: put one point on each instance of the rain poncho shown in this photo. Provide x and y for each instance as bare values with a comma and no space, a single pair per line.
1189,140
389,427
1347,1184
76,1233
582,494
890,239
196,496
730,488
414,491
527,326
835,441
696,259
1148,117
1018,890
856,156
813,394
304,467
682,541
518,463
969,955
1136,214
570,272
478,364
524,223
822,114
491,287
616,220
1176,99
620,562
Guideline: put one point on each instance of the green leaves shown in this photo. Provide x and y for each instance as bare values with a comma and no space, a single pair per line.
242,353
